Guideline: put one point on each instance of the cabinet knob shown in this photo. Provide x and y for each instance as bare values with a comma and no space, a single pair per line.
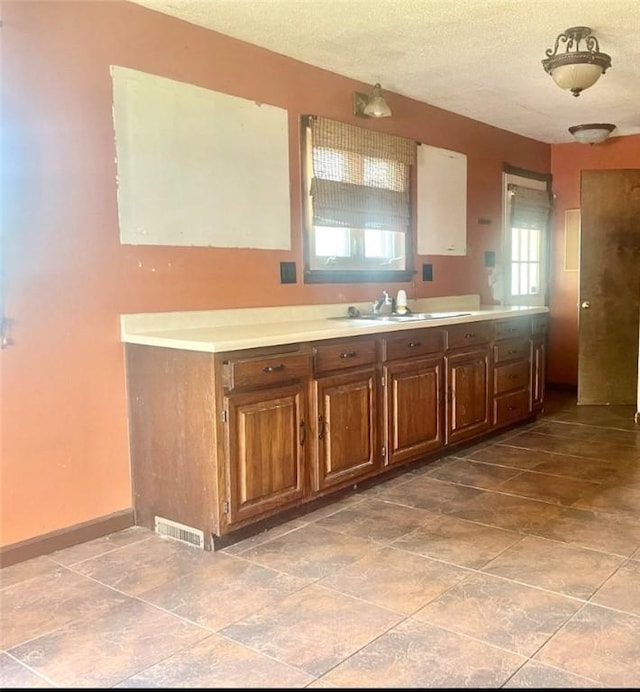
585,305
348,354
414,344
273,368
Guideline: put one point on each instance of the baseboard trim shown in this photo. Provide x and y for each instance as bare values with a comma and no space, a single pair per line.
65,538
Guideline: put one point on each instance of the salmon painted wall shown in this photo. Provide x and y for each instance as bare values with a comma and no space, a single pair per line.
67,279
567,163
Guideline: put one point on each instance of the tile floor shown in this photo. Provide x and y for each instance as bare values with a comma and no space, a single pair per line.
514,563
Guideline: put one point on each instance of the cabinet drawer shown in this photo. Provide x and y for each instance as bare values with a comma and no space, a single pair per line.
470,334
268,370
511,328
511,376
539,324
513,349
344,354
418,342
511,407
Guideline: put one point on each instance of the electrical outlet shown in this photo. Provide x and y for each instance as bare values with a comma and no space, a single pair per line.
288,273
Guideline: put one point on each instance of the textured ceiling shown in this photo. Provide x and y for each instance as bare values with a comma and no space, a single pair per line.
478,58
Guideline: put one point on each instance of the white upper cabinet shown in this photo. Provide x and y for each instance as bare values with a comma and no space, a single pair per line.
442,201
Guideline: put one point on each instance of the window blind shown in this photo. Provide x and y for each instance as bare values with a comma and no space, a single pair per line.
360,178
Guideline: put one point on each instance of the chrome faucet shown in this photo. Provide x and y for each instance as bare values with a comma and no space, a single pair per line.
384,304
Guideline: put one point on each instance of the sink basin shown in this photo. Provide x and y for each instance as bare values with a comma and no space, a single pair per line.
410,317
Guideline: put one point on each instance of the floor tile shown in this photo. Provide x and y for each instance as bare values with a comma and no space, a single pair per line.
43,604
609,533
125,640
218,662
310,552
464,543
395,579
223,591
144,565
538,676
513,457
313,629
14,675
22,571
541,486
99,546
375,520
474,473
425,492
503,613
558,567
600,644
508,511
417,654
622,589
617,500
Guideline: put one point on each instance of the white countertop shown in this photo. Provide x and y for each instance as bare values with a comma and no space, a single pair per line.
214,331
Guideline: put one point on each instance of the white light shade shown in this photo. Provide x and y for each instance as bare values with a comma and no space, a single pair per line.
376,105
577,76
593,133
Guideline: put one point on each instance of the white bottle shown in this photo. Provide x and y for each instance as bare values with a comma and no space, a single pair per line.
401,302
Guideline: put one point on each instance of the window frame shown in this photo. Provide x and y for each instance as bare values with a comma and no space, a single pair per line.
371,274
536,181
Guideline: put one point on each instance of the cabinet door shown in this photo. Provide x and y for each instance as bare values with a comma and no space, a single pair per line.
538,371
413,409
265,450
346,435
468,412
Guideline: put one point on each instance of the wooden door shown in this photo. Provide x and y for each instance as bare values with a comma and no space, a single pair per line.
467,387
609,301
413,409
266,450
346,436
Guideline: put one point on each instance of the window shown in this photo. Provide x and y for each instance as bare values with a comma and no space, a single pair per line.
358,209
526,238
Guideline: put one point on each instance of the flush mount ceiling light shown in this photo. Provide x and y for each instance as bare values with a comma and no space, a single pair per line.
593,133
371,106
576,69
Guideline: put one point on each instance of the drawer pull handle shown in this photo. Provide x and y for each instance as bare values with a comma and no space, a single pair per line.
511,353
511,408
513,377
469,336
303,432
273,368
348,354
413,344
321,427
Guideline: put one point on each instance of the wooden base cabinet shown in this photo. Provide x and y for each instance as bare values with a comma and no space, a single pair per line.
346,440
266,441
511,370
345,400
220,442
468,380
539,328
468,412
413,394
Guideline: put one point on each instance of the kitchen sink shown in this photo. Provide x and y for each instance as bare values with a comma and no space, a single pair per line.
409,317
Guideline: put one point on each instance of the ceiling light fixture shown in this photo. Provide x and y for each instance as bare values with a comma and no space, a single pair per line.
576,69
371,106
593,133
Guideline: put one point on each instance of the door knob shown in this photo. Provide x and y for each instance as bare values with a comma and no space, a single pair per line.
585,305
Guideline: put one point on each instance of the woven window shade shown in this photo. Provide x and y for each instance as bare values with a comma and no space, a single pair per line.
361,178
529,208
